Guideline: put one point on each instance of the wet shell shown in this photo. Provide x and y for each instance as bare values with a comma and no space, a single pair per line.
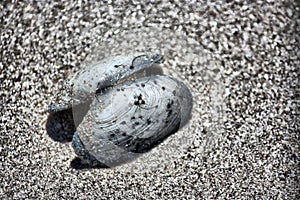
132,118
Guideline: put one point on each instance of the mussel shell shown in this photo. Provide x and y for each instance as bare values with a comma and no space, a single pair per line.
108,72
95,77
133,118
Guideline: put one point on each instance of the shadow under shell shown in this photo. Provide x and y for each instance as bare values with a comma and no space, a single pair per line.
60,126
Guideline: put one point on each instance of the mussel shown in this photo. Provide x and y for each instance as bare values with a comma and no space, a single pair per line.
126,115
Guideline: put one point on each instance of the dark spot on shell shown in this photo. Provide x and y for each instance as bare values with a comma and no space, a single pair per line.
131,67
163,88
123,122
137,123
169,105
116,66
124,134
143,84
139,100
174,92
169,113
133,117
169,108
148,121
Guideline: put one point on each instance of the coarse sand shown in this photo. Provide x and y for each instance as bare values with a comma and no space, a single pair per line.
240,59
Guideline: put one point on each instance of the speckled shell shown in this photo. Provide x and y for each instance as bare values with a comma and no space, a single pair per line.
100,75
110,71
132,118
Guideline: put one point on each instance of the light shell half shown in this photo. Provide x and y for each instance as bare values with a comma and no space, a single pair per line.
109,72
95,77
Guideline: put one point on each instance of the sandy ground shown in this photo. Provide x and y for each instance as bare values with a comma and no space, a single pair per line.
240,59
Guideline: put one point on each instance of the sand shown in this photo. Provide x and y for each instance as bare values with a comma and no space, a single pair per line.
240,59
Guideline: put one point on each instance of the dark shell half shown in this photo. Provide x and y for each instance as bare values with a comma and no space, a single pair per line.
132,118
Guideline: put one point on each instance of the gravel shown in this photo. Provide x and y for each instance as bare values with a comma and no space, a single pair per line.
240,58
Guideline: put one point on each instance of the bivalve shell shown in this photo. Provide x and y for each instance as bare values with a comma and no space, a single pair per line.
132,118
